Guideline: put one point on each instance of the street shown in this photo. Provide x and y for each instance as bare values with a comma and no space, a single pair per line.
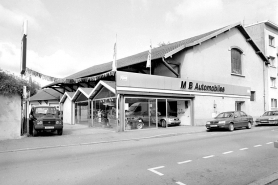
218,157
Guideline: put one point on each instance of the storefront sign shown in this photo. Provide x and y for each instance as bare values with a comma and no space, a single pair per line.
201,87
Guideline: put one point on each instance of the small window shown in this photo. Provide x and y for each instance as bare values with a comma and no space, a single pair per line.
271,40
236,61
252,97
273,103
243,114
273,82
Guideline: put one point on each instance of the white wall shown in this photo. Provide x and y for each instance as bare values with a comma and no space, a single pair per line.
10,117
184,113
67,111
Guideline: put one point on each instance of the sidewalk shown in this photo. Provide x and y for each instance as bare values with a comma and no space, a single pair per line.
79,134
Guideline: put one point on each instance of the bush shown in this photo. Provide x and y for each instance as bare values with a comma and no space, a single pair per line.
13,85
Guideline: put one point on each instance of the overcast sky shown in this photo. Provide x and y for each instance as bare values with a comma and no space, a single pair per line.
66,36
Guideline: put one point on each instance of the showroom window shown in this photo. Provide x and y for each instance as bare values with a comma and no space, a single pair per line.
236,61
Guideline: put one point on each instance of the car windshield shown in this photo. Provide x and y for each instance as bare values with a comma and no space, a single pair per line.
45,110
271,113
225,115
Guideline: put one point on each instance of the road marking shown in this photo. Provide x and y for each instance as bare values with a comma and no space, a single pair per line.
208,156
180,183
188,161
227,152
269,143
156,172
257,145
243,149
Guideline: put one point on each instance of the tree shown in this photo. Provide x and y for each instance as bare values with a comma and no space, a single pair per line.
12,85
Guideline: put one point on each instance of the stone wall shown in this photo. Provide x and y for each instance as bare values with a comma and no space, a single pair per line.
10,117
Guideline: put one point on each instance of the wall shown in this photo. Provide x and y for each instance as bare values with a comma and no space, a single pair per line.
10,117
67,111
256,32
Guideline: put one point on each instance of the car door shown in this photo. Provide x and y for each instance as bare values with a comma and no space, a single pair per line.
237,120
244,119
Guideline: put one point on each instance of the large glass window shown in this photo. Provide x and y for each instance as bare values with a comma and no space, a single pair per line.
140,113
236,61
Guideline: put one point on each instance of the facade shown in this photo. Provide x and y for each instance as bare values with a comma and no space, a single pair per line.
45,97
265,35
190,82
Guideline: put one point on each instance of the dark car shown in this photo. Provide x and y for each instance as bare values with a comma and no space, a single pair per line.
45,118
269,117
230,120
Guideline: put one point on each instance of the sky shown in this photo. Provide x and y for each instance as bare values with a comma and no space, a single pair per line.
67,36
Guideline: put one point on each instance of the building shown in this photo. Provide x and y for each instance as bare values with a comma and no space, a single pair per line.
191,80
265,34
46,97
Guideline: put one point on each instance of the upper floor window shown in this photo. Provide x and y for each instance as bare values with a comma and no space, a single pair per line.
236,61
273,103
273,82
272,61
271,40
252,98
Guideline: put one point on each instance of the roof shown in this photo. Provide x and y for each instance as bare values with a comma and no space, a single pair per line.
164,51
267,22
45,94
66,95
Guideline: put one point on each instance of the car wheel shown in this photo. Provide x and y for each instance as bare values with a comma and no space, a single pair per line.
231,127
249,126
140,125
208,130
35,133
163,123
60,132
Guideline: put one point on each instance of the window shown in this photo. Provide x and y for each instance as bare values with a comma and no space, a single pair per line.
252,98
272,61
273,103
236,61
273,82
271,40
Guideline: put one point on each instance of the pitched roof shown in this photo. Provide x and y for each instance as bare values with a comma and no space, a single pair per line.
66,95
45,94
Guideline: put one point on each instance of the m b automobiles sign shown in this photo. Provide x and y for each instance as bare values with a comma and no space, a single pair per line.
201,87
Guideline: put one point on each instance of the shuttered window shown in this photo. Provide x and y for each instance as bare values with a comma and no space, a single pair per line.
236,61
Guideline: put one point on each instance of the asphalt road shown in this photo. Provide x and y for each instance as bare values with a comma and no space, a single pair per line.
220,157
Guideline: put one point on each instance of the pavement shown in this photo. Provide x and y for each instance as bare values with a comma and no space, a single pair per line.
81,134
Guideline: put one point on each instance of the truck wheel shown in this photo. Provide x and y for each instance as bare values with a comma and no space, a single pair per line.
60,132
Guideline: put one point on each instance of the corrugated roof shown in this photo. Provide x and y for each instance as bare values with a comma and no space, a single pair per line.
45,94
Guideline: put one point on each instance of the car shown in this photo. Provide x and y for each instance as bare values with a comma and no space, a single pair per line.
170,120
45,118
230,120
269,117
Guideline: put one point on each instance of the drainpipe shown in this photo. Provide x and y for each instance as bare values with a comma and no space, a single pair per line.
264,84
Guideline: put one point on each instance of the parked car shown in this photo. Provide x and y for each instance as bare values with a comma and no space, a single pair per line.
169,120
45,118
230,120
269,117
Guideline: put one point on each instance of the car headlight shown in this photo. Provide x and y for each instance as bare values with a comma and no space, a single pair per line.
58,122
208,122
39,122
221,122
272,119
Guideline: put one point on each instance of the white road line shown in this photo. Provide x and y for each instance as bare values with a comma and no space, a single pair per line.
188,161
227,152
180,183
269,143
208,156
156,172
243,149
257,145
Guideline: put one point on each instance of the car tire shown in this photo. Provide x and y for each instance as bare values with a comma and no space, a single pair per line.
60,132
140,125
231,127
163,123
249,125
35,132
208,130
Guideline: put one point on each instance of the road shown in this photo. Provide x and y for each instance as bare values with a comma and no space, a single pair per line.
219,157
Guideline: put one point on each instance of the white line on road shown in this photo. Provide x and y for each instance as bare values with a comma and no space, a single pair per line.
208,156
156,172
227,152
180,183
188,161
269,143
257,145
243,149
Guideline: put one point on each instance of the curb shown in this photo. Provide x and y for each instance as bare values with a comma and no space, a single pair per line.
266,180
